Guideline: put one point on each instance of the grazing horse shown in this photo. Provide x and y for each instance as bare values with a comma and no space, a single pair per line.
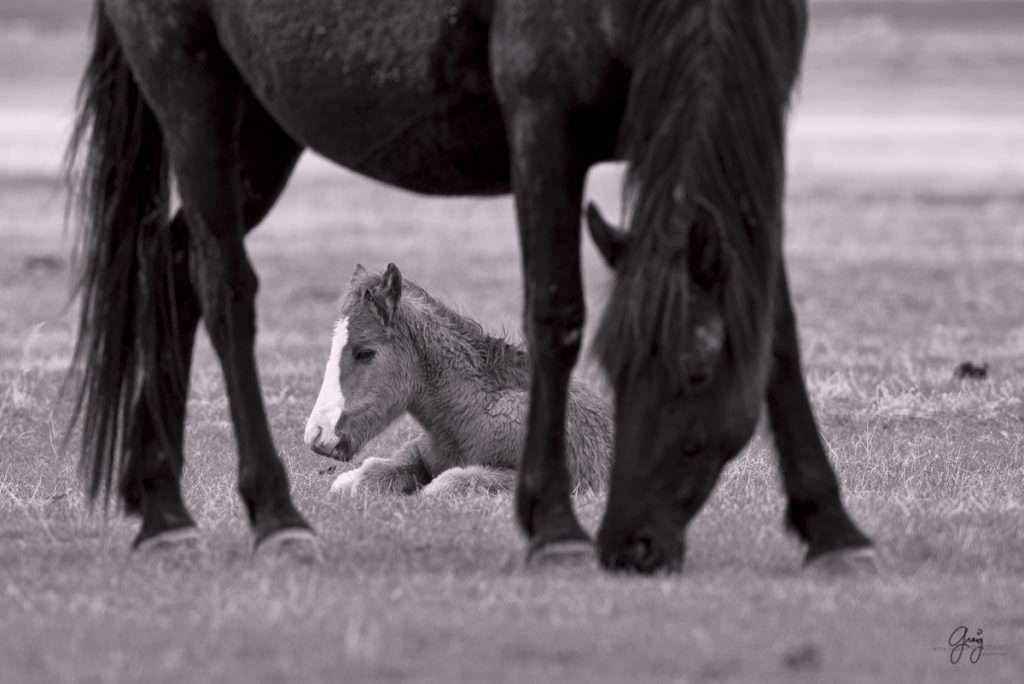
457,97
396,350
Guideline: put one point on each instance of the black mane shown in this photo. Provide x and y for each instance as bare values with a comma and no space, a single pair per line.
704,135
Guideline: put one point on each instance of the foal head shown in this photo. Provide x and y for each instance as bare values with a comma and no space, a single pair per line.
371,371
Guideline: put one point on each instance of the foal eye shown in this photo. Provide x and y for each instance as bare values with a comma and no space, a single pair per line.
365,354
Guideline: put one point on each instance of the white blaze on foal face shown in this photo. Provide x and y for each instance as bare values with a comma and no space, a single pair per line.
320,433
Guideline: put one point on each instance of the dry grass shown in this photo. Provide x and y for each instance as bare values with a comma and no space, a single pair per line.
899,277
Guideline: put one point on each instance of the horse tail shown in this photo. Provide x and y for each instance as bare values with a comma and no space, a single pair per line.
117,170
704,135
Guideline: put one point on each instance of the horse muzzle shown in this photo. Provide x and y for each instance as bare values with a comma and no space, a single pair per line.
324,439
341,450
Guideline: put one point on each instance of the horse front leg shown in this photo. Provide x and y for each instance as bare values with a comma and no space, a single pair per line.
548,179
814,510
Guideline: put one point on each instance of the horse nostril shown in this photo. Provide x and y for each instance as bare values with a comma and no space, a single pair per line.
639,554
315,437
700,378
645,553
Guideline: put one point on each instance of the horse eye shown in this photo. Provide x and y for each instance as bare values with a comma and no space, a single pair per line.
365,354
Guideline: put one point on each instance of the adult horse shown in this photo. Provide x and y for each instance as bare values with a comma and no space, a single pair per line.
457,97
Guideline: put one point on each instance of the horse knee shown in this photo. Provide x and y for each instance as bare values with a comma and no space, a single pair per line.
556,339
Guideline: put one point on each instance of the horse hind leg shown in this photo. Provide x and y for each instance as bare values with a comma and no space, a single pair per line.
814,511
200,102
150,484
227,286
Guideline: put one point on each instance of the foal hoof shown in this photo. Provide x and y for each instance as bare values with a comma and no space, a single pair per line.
177,539
847,562
293,544
560,554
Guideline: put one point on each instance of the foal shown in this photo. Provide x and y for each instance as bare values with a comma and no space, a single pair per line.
397,349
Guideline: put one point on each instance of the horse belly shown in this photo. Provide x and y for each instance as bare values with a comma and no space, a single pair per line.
398,90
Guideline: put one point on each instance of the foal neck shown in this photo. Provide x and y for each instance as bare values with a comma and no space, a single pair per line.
462,366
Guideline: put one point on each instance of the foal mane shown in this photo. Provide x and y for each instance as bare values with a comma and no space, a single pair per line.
426,320
704,133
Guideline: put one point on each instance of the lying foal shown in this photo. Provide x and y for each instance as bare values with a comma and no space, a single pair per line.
396,349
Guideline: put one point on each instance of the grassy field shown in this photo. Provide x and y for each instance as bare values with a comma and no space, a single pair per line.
905,245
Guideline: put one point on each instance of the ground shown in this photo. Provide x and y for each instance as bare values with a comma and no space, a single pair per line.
905,243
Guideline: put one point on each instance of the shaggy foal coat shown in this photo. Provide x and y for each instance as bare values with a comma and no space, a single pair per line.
466,388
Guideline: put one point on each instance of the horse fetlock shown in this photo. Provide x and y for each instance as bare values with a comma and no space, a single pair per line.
290,544
823,524
174,539
272,515
546,518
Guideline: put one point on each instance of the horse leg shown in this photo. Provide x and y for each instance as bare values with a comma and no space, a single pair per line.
151,482
815,510
548,177
200,101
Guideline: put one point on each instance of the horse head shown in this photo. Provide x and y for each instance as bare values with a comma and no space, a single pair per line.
370,374
669,344
704,333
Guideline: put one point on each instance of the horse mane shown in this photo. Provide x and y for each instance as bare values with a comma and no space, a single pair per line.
421,316
704,134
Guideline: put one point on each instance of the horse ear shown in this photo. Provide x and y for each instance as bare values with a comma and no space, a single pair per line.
358,273
387,294
610,241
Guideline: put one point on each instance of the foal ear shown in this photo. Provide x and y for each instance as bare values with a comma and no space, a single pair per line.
611,241
358,273
386,295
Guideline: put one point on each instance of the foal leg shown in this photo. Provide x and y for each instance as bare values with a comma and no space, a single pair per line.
151,484
471,479
815,510
404,472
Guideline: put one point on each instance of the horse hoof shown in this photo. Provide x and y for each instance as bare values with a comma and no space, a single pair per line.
559,554
294,544
862,561
180,538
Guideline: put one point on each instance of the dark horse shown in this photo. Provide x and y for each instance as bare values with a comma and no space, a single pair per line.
457,97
